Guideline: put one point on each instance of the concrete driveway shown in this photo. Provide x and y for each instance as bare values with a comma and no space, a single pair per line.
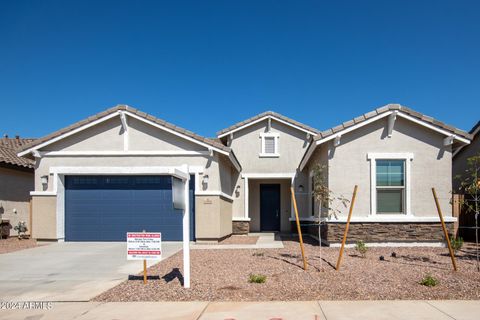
71,271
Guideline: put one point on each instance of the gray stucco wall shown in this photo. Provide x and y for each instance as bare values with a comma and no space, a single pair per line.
246,145
431,166
460,160
15,187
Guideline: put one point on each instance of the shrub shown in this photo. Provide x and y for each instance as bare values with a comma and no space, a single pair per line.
429,281
258,254
361,248
257,278
457,243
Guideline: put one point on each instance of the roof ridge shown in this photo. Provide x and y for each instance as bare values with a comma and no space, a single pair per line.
123,107
264,114
390,107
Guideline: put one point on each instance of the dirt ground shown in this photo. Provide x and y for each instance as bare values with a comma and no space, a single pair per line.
14,244
223,275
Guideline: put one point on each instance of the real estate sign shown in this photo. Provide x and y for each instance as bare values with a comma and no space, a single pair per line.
144,246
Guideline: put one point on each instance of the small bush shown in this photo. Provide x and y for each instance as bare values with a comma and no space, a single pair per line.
257,278
258,254
361,248
457,243
429,281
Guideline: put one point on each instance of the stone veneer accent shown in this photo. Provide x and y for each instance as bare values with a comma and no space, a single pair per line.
380,232
240,227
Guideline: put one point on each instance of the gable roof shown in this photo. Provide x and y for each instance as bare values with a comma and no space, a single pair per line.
8,152
380,113
265,115
474,132
118,110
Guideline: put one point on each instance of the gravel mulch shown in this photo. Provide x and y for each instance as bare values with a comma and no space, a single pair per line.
14,244
222,275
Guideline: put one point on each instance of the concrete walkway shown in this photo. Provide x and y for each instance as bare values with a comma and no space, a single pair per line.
314,310
70,271
266,240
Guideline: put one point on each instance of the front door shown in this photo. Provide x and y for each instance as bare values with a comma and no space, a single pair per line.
270,207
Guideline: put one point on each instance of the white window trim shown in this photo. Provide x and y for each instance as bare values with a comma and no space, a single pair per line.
264,135
408,157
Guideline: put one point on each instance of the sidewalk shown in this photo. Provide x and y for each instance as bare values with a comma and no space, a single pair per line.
278,310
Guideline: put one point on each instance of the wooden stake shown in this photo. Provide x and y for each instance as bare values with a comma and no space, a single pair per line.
346,228
445,232
144,271
299,230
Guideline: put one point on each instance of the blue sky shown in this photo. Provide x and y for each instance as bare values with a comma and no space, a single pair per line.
204,65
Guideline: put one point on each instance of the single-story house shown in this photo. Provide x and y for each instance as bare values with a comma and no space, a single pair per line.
460,165
16,182
111,173
462,153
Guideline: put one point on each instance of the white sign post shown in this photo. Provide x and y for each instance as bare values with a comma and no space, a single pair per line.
144,246
186,233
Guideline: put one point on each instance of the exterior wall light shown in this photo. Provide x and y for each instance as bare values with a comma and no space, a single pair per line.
44,180
205,180
237,191
300,188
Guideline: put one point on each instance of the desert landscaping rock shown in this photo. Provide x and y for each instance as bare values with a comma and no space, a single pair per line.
14,244
222,275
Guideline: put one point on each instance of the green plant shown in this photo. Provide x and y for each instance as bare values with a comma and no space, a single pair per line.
457,243
429,281
361,248
257,278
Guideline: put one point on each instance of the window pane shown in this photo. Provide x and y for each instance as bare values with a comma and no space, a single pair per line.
269,144
389,201
390,173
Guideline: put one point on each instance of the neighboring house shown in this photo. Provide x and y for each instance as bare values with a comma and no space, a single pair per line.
111,173
16,182
461,154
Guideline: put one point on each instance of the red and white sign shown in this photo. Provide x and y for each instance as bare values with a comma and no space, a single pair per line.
144,246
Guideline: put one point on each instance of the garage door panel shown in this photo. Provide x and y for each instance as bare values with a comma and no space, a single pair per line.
104,208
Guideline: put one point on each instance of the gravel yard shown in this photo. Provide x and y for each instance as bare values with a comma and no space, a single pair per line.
222,275
14,244
238,239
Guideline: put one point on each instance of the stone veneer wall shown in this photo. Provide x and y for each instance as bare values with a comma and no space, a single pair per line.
240,227
380,232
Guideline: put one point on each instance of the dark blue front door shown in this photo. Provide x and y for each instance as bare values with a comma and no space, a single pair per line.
105,208
270,207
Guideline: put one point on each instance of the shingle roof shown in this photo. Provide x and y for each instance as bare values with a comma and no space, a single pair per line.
131,110
387,108
265,114
8,152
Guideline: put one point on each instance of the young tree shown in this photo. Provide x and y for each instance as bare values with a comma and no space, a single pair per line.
470,186
329,203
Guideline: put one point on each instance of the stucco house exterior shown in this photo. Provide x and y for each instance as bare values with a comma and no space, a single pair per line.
16,182
462,153
111,173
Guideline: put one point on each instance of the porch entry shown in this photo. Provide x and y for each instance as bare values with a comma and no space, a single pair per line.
270,207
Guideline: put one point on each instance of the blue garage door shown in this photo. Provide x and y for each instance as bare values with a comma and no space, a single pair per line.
105,208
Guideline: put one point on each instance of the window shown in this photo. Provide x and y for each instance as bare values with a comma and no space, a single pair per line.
312,195
390,194
390,185
269,147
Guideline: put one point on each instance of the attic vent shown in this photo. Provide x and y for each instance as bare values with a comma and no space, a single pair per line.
270,145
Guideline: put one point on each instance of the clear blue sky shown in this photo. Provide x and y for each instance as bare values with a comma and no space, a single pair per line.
204,65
